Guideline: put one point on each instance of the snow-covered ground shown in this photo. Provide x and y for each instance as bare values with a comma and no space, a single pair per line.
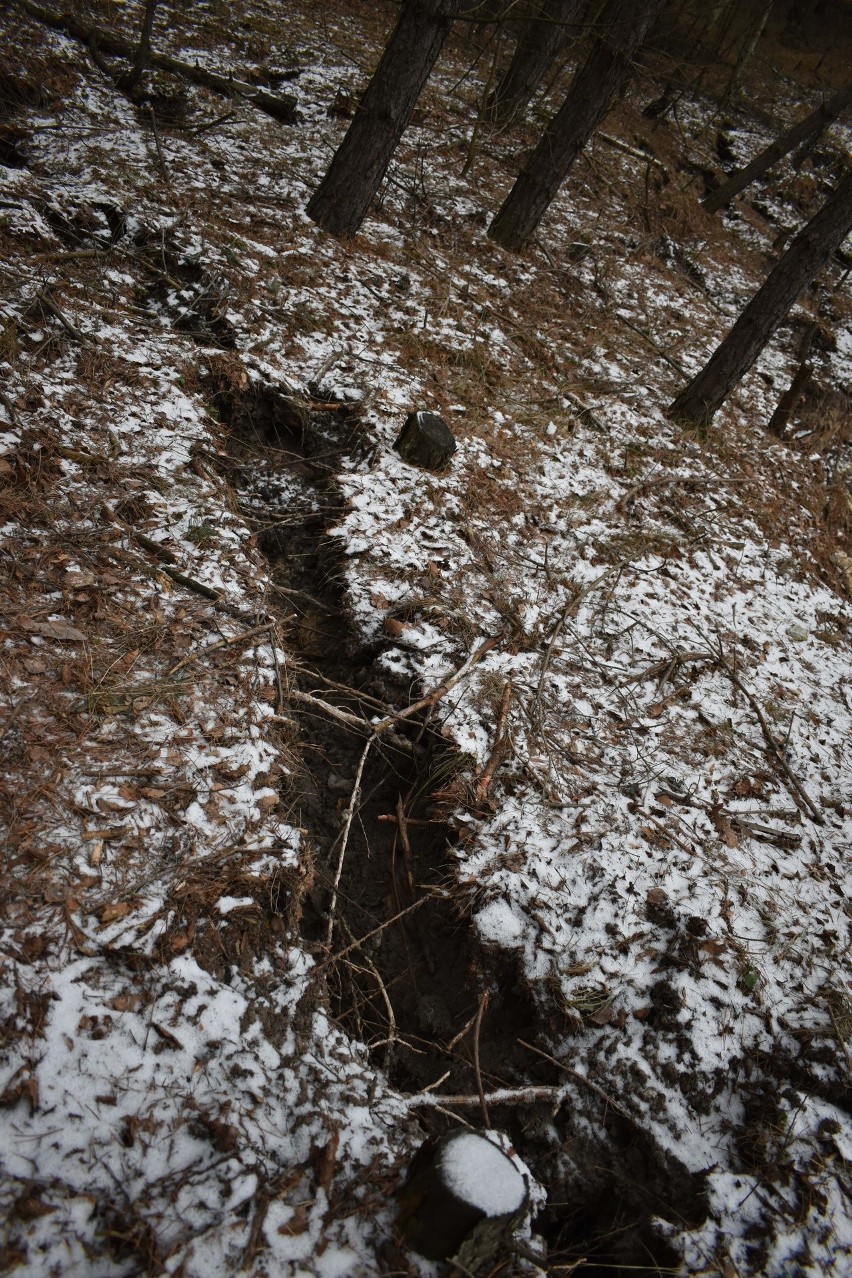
653,793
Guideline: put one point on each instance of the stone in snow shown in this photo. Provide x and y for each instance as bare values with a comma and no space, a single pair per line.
425,440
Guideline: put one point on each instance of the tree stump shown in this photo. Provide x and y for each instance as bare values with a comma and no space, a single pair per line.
425,440
463,1199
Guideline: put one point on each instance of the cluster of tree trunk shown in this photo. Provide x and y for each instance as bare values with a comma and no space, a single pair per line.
803,134
808,253
543,38
624,25
342,199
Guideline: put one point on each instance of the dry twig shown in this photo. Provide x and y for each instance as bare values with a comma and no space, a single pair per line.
775,747
222,643
498,750
335,958
580,1078
483,1003
347,826
501,1096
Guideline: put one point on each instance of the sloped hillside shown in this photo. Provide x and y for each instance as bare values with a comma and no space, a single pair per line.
346,801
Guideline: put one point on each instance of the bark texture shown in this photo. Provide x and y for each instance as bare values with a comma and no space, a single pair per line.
140,60
806,131
543,37
341,200
808,253
624,24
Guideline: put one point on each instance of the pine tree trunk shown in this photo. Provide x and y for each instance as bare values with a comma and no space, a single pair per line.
545,34
129,81
748,47
807,130
806,256
341,201
624,25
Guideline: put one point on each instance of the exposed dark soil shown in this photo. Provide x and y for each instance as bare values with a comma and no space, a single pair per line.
413,990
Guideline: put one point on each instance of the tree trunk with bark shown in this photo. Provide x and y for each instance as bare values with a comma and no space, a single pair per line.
544,36
806,131
624,24
341,201
129,81
807,255
747,48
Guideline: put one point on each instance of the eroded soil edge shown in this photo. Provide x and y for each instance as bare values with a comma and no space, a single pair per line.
413,990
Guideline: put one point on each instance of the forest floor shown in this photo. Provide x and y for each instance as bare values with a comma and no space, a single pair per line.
345,801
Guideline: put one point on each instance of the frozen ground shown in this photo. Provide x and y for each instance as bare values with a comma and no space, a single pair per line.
652,753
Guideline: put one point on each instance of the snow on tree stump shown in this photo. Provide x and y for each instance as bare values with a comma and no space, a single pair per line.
463,1200
425,440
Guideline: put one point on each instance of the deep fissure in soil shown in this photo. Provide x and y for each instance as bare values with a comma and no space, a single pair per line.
412,992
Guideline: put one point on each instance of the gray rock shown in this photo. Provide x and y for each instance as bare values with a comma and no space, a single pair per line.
425,440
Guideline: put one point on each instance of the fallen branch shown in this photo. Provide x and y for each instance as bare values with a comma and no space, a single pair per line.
655,346
441,691
405,844
10,408
390,720
775,746
347,826
483,1003
671,481
47,304
580,1078
222,643
190,582
666,668
161,159
502,1096
341,954
280,107
644,156
333,712
498,751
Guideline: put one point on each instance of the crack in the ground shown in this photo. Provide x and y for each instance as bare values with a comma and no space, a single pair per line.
412,992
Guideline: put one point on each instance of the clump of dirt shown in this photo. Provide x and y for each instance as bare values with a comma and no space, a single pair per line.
403,970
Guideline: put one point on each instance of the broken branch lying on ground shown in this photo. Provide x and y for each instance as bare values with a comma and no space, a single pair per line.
280,107
776,749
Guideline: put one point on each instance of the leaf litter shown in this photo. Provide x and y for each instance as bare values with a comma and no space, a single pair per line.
651,826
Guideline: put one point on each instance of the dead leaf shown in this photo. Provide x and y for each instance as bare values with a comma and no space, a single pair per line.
30,1207
60,630
125,1002
24,1088
167,1036
603,1016
325,1160
117,910
298,1222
